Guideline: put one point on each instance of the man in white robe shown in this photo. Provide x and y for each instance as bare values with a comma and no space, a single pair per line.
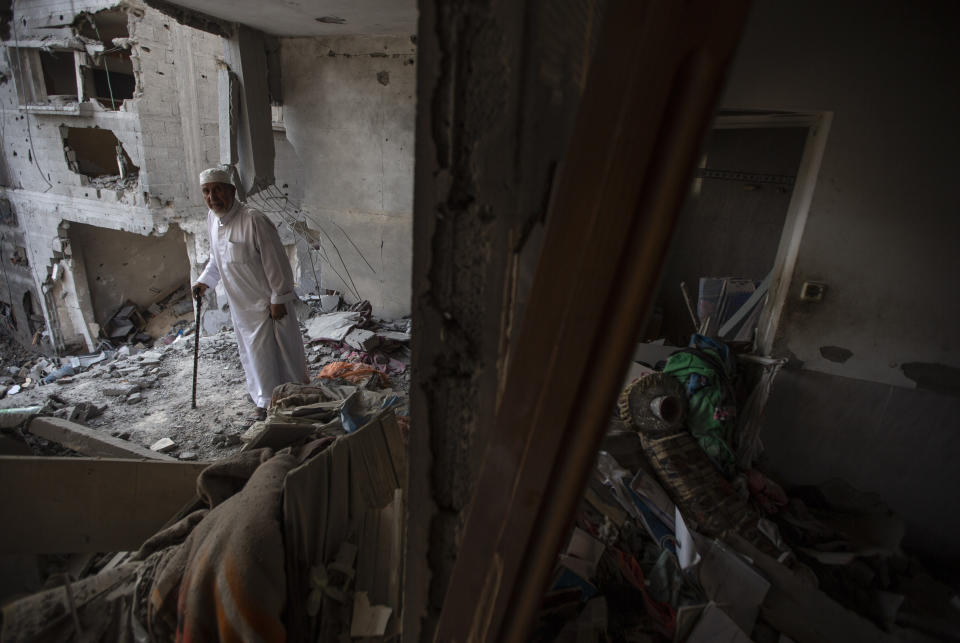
247,257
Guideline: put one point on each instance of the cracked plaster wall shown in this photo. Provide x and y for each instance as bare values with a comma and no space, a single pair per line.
882,235
349,106
498,89
169,129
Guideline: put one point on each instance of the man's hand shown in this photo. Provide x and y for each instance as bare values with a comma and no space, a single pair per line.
198,289
278,311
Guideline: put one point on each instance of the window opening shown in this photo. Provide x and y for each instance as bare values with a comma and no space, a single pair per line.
59,73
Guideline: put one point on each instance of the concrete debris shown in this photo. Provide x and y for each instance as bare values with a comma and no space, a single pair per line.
329,303
187,455
125,322
122,390
163,445
183,307
393,336
362,340
332,326
150,358
126,373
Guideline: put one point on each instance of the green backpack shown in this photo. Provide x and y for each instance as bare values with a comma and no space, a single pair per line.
706,376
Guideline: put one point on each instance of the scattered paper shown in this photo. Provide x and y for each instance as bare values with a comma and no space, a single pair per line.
687,554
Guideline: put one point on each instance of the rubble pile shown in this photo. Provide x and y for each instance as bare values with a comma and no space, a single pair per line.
349,343
679,537
142,394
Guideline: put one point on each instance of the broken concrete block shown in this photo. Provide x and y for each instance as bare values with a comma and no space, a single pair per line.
183,307
253,432
121,390
329,303
135,398
394,336
126,351
362,340
148,382
187,455
232,439
163,445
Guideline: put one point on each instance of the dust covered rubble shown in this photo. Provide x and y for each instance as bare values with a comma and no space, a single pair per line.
143,395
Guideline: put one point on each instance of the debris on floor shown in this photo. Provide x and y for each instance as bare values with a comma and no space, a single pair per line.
679,537
141,393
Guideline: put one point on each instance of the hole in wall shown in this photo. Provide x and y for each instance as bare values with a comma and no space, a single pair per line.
124,267
109,77
19,257
98,154
7,214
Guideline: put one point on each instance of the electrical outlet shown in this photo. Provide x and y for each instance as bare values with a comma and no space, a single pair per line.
812,291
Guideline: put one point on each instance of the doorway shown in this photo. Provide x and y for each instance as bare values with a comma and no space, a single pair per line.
735,244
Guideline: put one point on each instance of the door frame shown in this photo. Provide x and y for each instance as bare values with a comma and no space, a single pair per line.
818,129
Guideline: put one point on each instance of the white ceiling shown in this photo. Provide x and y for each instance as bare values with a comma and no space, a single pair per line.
300,17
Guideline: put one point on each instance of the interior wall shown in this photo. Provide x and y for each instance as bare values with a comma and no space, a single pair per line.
498,88
881,234
349,105
121,266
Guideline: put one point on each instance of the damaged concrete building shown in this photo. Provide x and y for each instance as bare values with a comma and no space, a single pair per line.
536,227
111,110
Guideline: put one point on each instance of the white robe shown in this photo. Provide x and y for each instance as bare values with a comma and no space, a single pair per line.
247,256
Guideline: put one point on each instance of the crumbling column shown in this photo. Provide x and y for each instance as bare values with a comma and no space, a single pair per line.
246,56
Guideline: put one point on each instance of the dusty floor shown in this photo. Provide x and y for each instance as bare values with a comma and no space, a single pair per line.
146,396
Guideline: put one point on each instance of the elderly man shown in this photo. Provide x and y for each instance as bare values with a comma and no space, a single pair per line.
247,257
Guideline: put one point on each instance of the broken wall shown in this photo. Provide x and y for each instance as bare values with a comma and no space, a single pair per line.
121,267
874,389
498,89
168,130
348,108
17,285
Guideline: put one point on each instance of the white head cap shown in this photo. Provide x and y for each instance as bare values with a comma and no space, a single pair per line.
219,174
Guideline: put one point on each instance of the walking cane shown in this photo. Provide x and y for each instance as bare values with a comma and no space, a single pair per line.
196,346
